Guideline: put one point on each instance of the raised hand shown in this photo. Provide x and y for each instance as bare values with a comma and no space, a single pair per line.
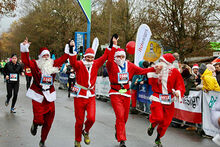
26,41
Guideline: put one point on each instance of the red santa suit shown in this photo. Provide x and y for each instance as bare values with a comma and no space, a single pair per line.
120,99
86,75
164,85
43,96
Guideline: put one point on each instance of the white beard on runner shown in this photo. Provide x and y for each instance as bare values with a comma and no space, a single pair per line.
120,62
165,70
46,66
87,64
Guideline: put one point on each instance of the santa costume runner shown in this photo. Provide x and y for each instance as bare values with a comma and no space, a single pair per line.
42,90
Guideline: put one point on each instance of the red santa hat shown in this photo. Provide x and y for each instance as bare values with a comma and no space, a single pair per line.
89,52
195,66
168,58
44,51
120,52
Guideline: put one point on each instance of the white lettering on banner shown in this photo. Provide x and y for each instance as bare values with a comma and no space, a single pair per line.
142,39
191,103
209,100
143,96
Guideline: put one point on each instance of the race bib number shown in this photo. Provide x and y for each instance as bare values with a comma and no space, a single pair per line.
123,77
165,99
72,76
13,77
47,80
28,70
75,91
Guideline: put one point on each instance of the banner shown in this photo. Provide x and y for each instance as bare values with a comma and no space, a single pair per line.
190,109
209,100
143,95
142,39
95,44
154,51
102,86
86,7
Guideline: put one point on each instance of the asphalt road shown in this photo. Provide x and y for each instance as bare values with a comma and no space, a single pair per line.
15,128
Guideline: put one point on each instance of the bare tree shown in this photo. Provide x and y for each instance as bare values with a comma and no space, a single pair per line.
6,7
183,25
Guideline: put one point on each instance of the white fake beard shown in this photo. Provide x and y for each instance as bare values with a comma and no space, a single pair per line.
87,64
164,71
46,66
120,61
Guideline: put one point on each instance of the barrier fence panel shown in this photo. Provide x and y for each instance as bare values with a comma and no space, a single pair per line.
102,86
143,95
195,107
208,101
190,109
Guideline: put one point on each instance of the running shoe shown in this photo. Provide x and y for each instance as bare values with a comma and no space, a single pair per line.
86,137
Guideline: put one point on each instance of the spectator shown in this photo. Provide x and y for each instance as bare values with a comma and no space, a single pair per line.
176,63
195,73
136,81
209,81
217,68
188,79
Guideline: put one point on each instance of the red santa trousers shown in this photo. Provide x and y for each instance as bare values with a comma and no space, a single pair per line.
82,105
121,105
133,98
162,116
43,115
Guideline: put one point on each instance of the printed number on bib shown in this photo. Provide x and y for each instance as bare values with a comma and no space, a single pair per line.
28,70
13,77
72,76
165,99
123,77
75,91
47,80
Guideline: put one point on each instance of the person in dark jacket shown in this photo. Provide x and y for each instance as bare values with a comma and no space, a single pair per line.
71,78
11,71
217,71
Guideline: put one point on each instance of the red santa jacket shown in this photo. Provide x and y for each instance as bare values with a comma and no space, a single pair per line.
85,77
169,81
113,70
35,92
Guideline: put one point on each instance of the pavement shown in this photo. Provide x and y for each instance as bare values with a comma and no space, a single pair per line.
15,128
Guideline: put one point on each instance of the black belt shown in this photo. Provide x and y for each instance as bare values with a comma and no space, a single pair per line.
118,84
119,89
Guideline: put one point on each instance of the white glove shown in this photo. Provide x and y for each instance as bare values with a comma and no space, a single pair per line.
24,47
67,49
177,94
